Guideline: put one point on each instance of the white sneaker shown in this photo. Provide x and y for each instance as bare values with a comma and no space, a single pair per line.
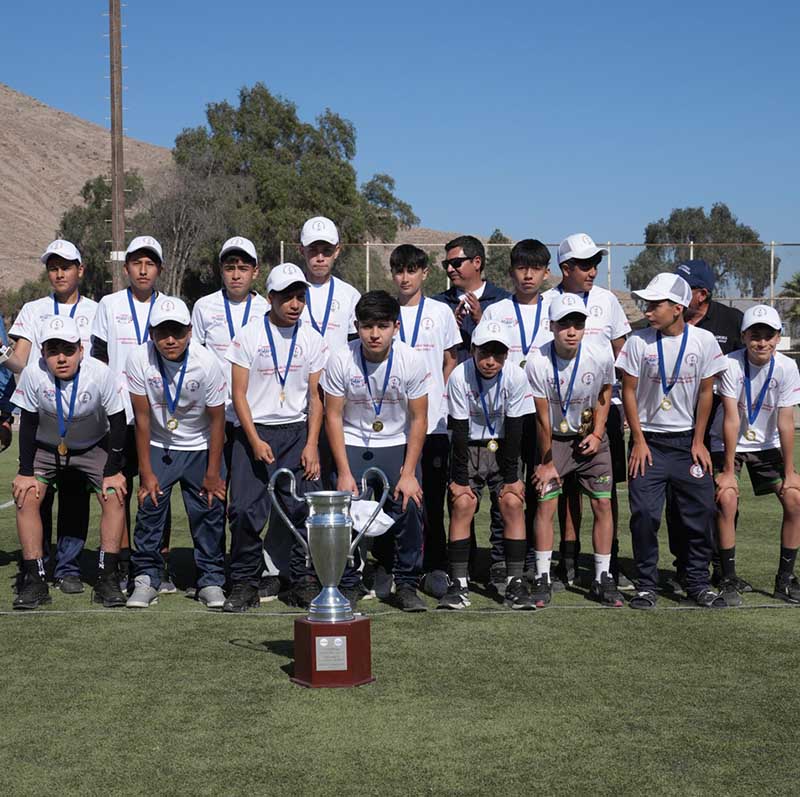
143,594
213,597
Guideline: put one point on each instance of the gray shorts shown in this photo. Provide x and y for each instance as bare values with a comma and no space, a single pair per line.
91,462
594,474
483,471
765,467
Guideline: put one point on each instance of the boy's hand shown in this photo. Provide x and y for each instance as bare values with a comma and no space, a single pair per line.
309,459
263,453
408,487
346,483
148,485
457,490
640,458
20,487
544,476
590,445
515,488
213,487
115,483
791,481
725,480
701,457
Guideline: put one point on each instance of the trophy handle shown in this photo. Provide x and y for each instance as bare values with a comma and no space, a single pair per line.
360,496
277,504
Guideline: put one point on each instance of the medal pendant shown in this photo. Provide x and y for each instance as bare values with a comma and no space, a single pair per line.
563,427
282,397
172,424
666,404
493,445
377,426
522,363
750,435
62,449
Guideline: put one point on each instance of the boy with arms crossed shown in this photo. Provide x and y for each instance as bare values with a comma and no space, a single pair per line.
571,381
376,415
759,391
667,390
178,393
487,401
72,418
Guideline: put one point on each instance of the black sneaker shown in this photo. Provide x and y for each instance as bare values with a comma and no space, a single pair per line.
269,588
542,592
497,577
456,597
32,593
303,591
605,591
644,599
243,597
124,572
709,599
69,585
107,591
787,588
729,592
407,599
566,571
518,596
384,583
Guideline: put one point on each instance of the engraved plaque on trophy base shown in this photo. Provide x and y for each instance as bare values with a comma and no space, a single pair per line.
332,654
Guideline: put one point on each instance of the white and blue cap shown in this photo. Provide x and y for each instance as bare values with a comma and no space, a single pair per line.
319,228
666,286
62,248
170,308
239,244
564,304
761,314
59,327
283,276
146,242
490,331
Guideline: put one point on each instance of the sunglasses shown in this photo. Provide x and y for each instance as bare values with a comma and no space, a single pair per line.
455,262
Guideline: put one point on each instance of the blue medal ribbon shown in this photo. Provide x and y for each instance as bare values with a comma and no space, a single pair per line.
327,315
415,333
752,412
228,316
560,289
377,407
564,404
71,312
281,379
666,387
482,393
63,425
526,347
139,338
172,404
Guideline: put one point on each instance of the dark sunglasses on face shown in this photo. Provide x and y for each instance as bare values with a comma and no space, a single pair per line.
410,269
455,262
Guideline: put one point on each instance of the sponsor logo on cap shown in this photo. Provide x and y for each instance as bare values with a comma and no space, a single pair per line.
167,306
759,312
56,323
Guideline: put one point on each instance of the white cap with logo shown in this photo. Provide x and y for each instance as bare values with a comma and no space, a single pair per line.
283,276
241,244
58,327
319,229
580,246
564,304
490,331
666,286
62,248
146,242
761,314
170,308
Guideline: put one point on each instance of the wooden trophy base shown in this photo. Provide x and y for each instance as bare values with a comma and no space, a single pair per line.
332,654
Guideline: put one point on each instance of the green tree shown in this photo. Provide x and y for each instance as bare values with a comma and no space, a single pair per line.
745,268
790,307
498,259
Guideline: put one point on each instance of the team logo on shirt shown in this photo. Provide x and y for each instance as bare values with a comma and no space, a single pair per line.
697,471
691,359
49,393
298,350
596,311
335,306
85,397
154,381
81,320
587,379
123,318
192,385
356,381
428,323
394,383
773,383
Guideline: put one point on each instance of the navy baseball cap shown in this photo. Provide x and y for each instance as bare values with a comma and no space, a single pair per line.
698,274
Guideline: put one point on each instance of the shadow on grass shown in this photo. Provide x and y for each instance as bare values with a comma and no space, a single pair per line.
284,648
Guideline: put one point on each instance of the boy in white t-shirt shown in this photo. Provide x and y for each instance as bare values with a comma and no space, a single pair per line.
755,426
178,393
72,419
487,401
376,415
667,390
276,367
431,330
571,381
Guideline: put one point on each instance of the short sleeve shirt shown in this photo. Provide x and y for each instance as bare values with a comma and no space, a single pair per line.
783,391
342,317
408,379
437,331
639,357
251,349
595,369
203,386
99,394
535,335
507,395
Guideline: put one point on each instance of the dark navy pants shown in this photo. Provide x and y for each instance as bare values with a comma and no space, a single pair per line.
249,502
207,525
435,469
694,508
72,524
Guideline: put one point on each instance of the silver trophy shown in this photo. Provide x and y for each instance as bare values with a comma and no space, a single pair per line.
329,547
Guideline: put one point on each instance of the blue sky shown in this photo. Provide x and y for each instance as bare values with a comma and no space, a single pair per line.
540,119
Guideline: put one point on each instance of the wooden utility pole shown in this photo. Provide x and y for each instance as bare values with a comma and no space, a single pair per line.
117,167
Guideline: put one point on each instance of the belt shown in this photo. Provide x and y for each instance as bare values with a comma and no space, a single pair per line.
668,435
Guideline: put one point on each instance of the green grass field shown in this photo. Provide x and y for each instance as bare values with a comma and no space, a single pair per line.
177,700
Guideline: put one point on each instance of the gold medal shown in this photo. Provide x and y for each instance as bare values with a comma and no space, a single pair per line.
493,445
666,404
377,425
62,448
172,424
522,363
282,397
563,427
750,435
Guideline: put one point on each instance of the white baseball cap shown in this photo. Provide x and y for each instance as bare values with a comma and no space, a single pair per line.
59,327
488,331
145,242
666,286
578,245
761,314
170,308
241,244
62,248
319,229
283,275
564,304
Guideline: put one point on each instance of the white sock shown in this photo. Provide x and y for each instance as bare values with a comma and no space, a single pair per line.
602,564
462,582
543,562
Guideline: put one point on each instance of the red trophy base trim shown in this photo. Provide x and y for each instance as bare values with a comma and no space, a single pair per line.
332,654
